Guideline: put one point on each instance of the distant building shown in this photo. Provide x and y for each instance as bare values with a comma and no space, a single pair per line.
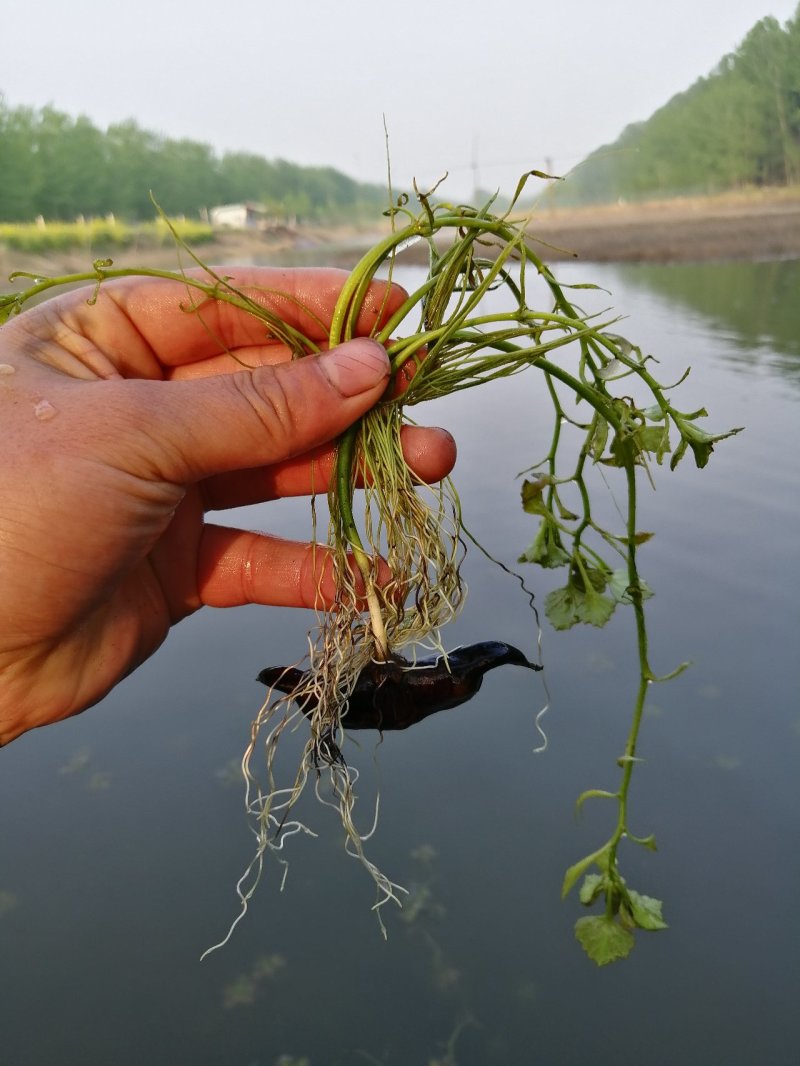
239,216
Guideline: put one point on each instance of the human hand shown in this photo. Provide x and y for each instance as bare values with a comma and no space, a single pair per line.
122,424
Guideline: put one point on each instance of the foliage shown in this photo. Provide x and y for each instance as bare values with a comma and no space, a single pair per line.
60,168
624,433
738,127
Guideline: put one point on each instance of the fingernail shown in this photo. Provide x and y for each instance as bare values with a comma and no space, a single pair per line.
356,366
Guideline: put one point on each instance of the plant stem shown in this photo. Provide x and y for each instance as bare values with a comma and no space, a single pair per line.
345,461
645,674
219,288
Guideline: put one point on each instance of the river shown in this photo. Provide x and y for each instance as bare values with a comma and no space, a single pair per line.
122,832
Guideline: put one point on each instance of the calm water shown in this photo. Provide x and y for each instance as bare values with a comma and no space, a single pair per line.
123,833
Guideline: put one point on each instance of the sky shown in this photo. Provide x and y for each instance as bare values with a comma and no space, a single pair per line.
482,90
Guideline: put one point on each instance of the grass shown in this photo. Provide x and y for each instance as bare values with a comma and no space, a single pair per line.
108,234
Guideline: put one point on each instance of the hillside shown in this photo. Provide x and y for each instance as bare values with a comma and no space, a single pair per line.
737,128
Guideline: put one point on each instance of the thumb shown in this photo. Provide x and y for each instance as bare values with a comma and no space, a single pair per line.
236,421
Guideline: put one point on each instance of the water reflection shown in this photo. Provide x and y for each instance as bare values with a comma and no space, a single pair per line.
756,306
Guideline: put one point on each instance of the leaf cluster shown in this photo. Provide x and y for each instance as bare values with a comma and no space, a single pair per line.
618,434
609,936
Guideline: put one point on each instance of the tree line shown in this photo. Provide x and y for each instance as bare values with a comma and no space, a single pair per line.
60,168
738,127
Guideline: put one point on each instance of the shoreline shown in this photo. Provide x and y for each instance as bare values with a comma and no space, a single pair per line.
729,227
749,226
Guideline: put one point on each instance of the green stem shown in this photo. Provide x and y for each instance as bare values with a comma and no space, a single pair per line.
645,673
344,478
351,297
217,289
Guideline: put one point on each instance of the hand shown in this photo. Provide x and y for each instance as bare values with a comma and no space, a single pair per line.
122,424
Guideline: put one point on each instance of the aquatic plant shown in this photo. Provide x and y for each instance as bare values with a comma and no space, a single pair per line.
468,323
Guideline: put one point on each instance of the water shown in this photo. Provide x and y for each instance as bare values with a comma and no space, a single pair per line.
123,830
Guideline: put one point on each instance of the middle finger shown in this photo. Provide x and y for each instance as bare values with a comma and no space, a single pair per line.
429,452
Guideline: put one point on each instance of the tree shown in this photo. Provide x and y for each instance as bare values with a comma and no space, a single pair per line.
58,167
739,126
17,161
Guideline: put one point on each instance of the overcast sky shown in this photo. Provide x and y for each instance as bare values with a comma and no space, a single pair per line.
483,89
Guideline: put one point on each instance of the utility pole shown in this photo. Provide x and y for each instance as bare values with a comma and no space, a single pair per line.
548,169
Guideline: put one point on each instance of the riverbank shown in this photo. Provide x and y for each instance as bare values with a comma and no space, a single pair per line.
745,226
751,226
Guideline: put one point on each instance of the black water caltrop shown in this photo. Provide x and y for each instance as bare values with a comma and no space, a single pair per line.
398,693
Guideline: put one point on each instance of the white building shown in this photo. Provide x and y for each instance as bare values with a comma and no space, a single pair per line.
238,216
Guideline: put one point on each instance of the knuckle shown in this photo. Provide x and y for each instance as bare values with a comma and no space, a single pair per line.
268,400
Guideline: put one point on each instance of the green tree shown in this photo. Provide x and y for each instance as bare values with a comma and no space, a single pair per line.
17,163
60,167
738,126
69,159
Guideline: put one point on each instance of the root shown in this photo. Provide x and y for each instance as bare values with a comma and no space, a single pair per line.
415,529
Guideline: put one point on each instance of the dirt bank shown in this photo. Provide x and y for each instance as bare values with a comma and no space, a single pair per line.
751,226
745,227
755,225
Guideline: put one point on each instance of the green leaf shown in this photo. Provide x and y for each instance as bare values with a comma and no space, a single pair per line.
701,442
580,867
593,793
561,607
565,513
646,911
618,582
585,285
597,578
532,501
603,939
701,449
648,842
618,586
678,454
9,306
599,439
673,673
658,441
612,369
622,344
567,606
597,610
591,888
546,549
620,449
636,440
654,439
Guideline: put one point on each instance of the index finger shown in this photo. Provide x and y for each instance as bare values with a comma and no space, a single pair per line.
181,326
